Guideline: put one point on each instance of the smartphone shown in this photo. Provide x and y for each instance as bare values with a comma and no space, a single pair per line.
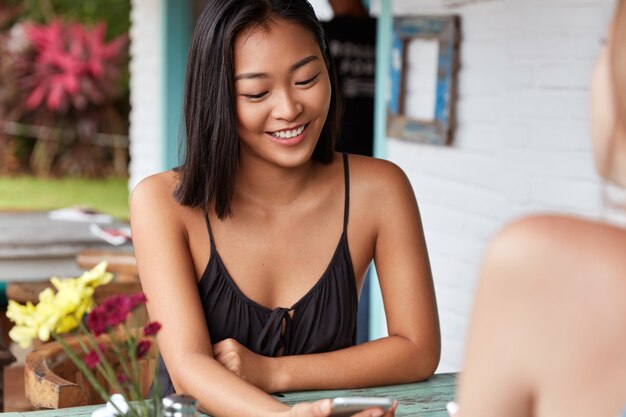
346,406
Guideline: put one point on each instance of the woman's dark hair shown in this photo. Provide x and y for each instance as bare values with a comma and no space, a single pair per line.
211,155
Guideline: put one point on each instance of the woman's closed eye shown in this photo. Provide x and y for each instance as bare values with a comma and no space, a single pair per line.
256,96
309,81
304,83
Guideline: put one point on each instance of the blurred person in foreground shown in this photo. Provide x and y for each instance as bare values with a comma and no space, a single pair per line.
548,333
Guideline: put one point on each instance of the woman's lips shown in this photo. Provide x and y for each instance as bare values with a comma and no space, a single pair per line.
289,137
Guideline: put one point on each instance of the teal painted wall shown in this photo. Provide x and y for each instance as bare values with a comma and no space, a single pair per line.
176,37
378,325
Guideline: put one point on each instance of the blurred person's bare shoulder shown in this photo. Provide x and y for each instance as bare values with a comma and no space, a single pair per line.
561,237
546,245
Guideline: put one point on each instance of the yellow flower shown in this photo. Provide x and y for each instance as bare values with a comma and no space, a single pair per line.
66,324
19,313
97,275
85,306
58,312
70,293
23,335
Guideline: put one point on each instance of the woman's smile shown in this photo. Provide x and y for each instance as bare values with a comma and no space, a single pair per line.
289,136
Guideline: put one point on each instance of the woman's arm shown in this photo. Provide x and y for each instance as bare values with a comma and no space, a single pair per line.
169,282
382,201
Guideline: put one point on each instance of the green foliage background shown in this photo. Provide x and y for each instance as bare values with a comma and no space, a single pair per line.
115,12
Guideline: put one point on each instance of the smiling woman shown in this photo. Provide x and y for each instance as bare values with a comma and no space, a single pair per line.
243,250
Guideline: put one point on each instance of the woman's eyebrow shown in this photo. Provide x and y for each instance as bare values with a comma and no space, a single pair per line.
250,76
303,62
256,75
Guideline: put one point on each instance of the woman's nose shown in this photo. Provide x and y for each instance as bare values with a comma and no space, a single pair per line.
286,106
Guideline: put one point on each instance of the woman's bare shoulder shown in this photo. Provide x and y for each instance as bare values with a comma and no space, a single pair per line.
377,176
383,198
153,197
563,231
155,190
545,244
160,184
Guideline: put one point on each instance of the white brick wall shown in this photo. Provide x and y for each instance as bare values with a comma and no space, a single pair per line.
146,94
522,141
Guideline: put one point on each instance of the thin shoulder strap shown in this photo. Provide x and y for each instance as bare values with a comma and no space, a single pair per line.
346,176
208,226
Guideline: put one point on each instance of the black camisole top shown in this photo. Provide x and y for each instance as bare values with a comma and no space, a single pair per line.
323,320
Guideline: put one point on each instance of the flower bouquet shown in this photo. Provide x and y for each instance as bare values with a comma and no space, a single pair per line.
71,308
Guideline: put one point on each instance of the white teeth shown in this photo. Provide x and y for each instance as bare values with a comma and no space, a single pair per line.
288,134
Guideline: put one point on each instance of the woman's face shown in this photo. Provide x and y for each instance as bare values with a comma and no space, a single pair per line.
607,136
282,93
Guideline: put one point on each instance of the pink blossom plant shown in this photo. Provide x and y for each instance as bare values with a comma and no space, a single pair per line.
68,77
111,317
66,66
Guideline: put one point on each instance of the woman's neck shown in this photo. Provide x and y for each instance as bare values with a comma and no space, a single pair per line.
271,186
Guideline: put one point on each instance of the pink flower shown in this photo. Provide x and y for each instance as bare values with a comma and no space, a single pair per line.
113,311
130,302
122,378
135,300
92,359
96,321
143,347
65,58
151,329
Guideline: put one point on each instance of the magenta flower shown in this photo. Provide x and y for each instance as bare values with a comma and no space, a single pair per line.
143,347
113,311
96,322
130,302
72,66
92,359
122,378
151,329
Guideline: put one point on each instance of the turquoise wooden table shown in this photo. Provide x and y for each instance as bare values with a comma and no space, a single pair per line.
422,399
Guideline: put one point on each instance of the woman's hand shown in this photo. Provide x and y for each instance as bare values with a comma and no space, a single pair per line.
322,408
257,370
253,368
